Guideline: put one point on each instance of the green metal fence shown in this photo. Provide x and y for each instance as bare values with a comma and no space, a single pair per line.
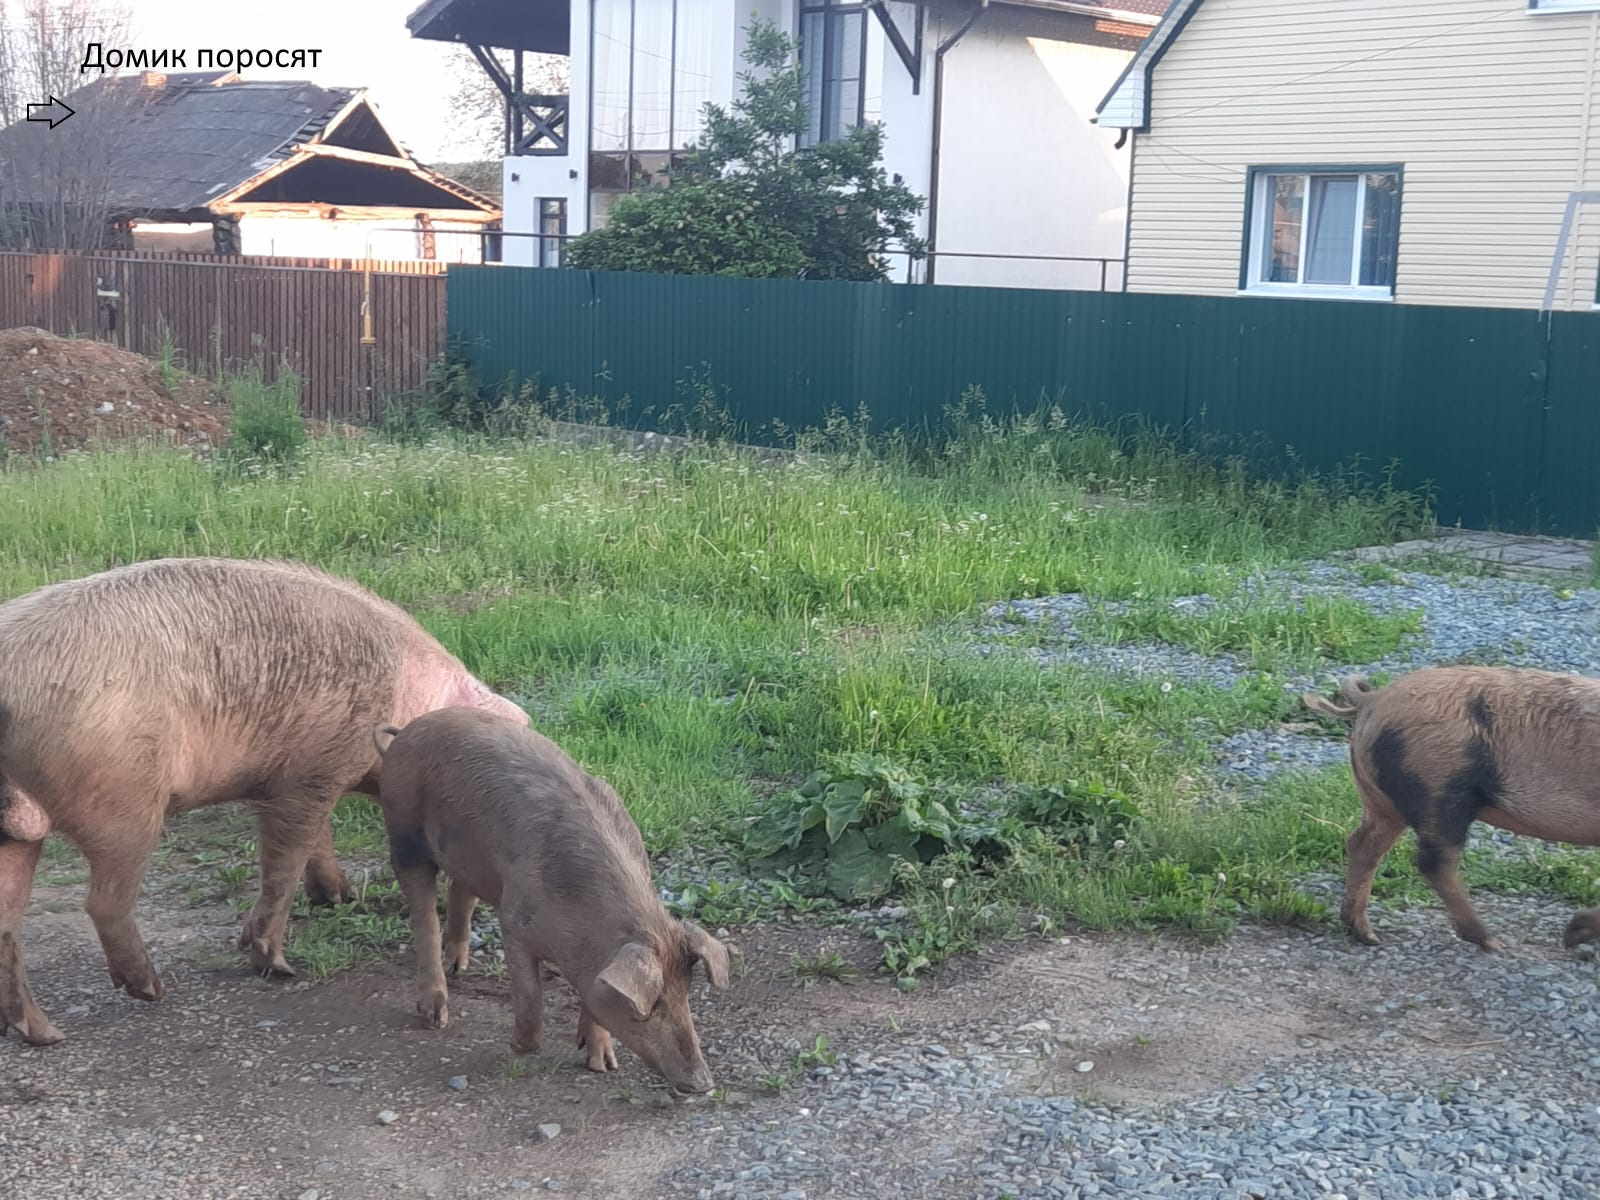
1498,410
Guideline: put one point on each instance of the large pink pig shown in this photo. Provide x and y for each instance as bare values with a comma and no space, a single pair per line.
168,685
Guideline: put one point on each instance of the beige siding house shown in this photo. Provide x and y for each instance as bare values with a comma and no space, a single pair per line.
1412,151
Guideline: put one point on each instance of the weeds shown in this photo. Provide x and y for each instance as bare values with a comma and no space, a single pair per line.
830,966
705,632
172,363
265,424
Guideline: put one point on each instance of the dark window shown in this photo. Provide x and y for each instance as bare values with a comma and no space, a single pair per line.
552,230
833,51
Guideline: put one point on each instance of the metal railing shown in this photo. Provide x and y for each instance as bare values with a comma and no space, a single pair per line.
913,262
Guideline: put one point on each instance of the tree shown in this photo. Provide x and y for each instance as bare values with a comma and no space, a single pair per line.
480,108
42,46
744,201
57,186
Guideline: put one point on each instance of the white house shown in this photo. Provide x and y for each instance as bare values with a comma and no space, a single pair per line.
987,110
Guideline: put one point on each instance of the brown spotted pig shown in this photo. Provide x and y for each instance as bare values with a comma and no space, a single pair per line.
514,821
1440,748
167,685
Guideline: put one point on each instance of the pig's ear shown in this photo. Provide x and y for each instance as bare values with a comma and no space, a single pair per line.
709,951
635,975
383,735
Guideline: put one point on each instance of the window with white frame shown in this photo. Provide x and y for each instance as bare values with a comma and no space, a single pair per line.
1323,230
1564,5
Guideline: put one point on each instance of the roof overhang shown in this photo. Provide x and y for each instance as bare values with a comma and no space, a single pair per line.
231,202
1127,104
543,26
1105,12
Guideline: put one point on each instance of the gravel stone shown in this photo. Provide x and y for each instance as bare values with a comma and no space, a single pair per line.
1491,621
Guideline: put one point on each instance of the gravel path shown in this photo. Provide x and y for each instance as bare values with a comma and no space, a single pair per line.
1455,1074
1473,619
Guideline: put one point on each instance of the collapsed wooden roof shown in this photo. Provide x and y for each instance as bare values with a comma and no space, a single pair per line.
181,145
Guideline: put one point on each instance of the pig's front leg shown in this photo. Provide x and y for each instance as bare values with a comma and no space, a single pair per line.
527,994
418,880
595,1036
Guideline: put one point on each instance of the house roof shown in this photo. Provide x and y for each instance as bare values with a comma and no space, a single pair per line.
1127,104
175,143
540,25
1138,12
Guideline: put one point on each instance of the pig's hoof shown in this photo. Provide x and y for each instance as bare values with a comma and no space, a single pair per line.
526,1045
149,989
1363,935
324,892
268,961
1585,927
601,1058
48,1036
435,1013
36,1033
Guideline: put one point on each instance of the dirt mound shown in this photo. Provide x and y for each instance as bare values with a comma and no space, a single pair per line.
61,393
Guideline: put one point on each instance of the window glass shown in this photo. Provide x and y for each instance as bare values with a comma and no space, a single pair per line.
652,75
1281,253
691,74
613,26
1380,230
1330,239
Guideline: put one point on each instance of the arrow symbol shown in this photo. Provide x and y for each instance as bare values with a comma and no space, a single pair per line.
48,112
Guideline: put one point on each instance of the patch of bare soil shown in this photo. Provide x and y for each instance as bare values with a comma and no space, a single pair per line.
60,393
329,1090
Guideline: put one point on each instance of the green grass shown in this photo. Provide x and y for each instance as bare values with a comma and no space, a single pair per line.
1267,633
701,630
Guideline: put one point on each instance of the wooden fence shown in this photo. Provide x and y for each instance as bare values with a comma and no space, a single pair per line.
356,332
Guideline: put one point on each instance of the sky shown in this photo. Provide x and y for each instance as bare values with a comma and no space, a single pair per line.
364,43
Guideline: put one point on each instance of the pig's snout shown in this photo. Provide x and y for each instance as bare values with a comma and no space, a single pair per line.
697,1083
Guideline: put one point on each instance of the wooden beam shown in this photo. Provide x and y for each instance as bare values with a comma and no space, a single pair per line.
323,211
911,61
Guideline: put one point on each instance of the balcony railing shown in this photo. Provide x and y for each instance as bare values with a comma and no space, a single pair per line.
538,125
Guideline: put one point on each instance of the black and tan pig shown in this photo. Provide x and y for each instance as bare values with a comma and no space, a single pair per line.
1443,747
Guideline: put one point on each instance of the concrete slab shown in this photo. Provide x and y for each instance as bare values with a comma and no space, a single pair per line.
1549,560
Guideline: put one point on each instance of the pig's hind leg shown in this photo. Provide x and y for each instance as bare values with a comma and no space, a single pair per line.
458,928
17,1009
418,876
527,991
117,856
326,882
289,824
